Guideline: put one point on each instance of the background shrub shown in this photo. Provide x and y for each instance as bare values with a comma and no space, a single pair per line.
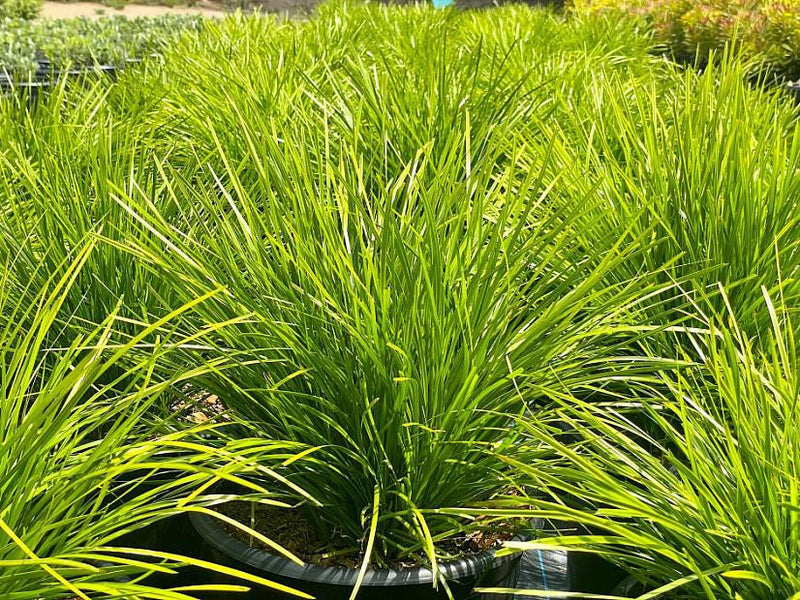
768,31
82,41
20,9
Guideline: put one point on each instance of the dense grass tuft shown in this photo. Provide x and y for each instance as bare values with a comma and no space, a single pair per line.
412,229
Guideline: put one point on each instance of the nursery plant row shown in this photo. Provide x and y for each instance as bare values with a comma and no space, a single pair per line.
42,50
366,305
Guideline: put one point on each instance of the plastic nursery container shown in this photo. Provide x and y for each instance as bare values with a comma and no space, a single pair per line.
29,90
336,583
587,572
794,88
592,574
629,587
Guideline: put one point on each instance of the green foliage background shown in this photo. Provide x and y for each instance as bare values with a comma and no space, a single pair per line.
767,32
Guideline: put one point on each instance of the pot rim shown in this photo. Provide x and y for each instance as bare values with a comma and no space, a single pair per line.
212,533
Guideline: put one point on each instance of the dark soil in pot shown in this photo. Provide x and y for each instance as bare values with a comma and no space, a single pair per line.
291,529
336,582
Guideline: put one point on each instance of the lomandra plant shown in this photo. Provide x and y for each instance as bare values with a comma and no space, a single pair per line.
58,163
695,491
405,303
77,472
706,163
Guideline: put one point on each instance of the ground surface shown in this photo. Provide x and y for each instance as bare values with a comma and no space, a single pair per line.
92,10
64,10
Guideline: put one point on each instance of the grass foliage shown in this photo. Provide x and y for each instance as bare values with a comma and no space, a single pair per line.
411,240
693,488
79,469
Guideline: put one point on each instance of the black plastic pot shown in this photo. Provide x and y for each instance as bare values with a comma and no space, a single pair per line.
336,583
586,572
589,572
794,89
111,71
29,90
630,587
174,535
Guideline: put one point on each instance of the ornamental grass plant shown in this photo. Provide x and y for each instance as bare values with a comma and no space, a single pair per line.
693,489
705,165
411,301
420,238
78,472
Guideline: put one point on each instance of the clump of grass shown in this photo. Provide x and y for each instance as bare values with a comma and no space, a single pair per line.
58,166
708,166
78,470
693,489
412,288
425,225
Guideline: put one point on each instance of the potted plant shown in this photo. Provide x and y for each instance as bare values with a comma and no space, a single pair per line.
71,499
33,54
398,332
713,512
18,67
